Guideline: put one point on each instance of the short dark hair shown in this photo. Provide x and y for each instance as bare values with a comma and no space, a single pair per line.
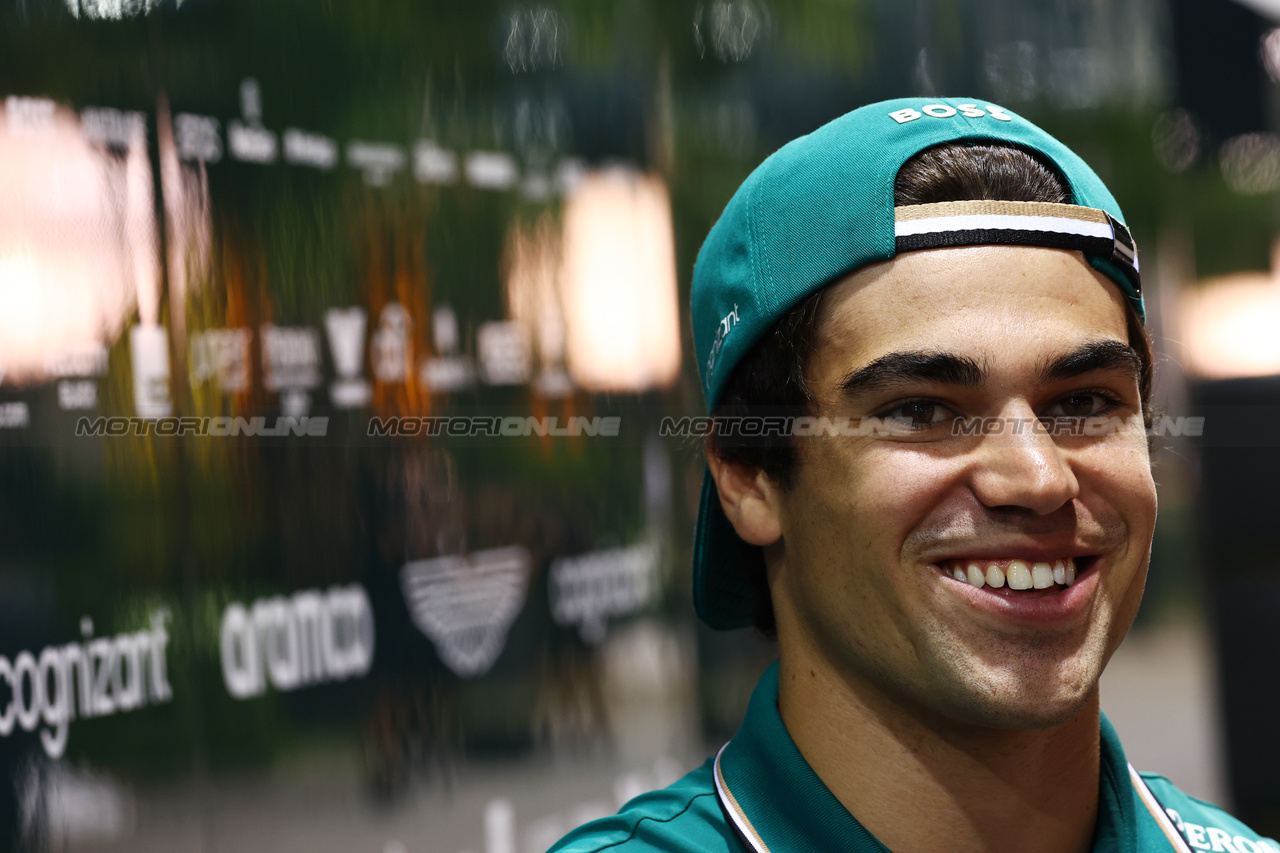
771,376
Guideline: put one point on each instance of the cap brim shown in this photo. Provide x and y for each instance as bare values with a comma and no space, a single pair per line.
722,596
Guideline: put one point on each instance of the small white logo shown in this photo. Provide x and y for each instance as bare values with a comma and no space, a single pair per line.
345,328
726,325
309,638
505,353
223,354
392,349
907,114
149,346
466,603
450,371
290,356
587,589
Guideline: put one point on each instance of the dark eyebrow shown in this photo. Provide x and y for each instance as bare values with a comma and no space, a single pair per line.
1107,354
903,368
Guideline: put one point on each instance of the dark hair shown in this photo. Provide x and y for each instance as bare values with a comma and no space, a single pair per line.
770,379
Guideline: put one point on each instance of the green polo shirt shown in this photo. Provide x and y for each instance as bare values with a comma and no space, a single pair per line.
759,794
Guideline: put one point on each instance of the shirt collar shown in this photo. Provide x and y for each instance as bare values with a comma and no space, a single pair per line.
778,804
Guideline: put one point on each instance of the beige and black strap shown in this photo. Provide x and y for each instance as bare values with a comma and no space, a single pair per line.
1018,223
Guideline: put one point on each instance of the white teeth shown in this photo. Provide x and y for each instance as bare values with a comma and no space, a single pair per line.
1018,574
975,575
1042,575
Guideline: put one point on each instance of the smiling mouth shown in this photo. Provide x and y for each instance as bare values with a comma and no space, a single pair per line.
1017,575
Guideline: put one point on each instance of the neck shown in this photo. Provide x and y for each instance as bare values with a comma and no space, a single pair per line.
981,788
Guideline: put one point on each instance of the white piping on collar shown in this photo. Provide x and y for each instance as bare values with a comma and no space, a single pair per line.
746,832
1157,811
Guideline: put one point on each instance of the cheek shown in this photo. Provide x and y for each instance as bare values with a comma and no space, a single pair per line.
866,498
1121,481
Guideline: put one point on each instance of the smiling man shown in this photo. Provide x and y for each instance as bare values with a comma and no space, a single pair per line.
920,331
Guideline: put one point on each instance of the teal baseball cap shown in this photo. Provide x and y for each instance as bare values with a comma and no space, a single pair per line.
821,207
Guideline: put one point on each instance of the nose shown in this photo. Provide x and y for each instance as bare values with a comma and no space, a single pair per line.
1023,466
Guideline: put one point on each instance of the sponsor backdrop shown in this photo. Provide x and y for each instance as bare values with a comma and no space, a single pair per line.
349,431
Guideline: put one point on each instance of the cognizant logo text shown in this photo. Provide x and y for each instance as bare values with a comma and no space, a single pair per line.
97,678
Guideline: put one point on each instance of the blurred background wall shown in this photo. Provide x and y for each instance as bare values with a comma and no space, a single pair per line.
336,342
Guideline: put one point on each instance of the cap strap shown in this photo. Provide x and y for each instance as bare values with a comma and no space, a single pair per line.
1019,223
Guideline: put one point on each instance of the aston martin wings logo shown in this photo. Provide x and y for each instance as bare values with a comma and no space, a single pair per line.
466,603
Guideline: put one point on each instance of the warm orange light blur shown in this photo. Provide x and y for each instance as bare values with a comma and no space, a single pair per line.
1229,326
618,280
534,298
77,240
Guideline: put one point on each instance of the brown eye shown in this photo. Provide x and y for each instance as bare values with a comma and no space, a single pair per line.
917,413
1079,405
920,413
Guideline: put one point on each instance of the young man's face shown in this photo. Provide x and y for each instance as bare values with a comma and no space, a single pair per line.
874,525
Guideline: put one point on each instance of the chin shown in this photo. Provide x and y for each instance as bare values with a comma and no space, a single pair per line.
1030,715
1015,698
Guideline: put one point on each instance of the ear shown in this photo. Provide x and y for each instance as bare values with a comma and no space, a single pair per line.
750,500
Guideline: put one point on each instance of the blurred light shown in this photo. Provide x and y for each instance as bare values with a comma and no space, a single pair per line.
197,137
1265,8
110,127
569,174
444,329
1079,76
391,347
448,370
290,357
1270,50
533,39
1176,140
1251,163
225,355
251,100
534,301
732,27
1229,326
112,10
77,236
540,126
30,116
73,807
492,170
619,280
378,160
149,348
503,350
433,164
251,143
1011,71
310,149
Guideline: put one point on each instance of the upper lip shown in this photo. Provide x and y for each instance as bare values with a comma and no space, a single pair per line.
1035,552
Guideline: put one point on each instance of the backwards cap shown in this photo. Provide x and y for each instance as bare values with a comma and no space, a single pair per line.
821,207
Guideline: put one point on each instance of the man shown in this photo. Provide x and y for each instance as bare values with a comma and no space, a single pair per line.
920,331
